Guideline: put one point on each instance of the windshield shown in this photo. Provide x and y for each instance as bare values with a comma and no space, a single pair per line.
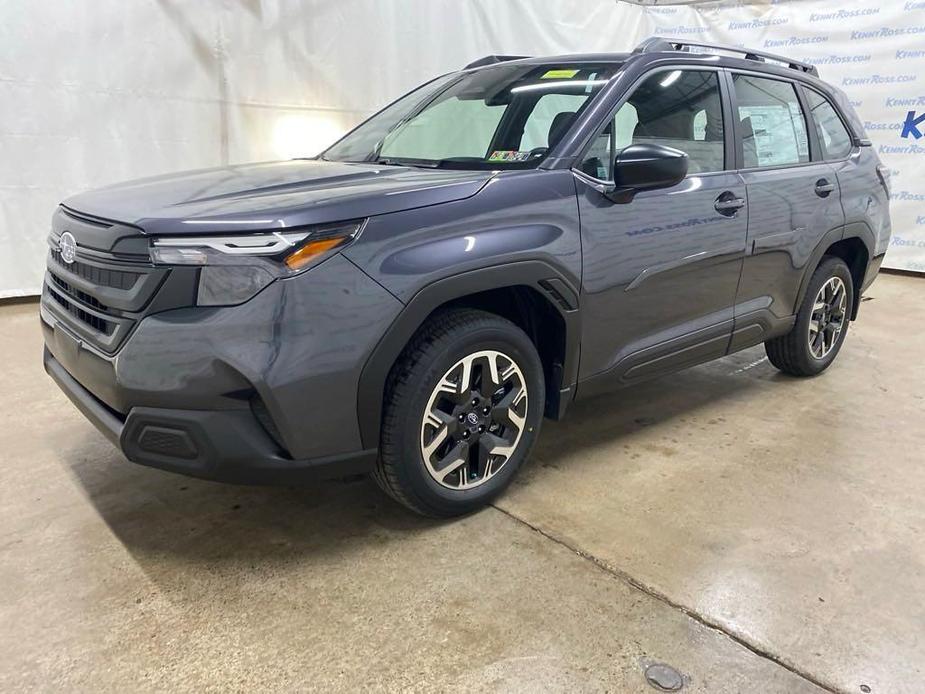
505,116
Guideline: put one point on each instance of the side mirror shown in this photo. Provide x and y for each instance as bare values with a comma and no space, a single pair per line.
645,167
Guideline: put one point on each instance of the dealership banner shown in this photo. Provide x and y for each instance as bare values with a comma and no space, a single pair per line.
874,52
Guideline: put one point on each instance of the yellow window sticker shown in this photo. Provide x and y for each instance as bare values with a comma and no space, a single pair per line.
559,74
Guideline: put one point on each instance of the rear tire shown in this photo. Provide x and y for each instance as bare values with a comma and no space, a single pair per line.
821,325
463,408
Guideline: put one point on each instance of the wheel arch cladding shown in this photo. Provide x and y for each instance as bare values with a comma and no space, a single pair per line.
853,244
856,256
531,294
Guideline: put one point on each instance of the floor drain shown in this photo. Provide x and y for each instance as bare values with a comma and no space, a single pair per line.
664,678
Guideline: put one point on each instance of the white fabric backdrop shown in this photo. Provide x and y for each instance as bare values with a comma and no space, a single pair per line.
97,91
874,51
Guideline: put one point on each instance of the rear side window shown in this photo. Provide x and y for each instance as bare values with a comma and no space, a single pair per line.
675,108
772,123
834,136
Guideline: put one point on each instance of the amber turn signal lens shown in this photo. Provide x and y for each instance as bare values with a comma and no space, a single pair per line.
309,252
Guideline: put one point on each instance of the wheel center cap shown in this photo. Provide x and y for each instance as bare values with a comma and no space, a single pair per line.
472,418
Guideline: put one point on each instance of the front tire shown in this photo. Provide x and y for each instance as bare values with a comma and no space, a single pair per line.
463,408
821,325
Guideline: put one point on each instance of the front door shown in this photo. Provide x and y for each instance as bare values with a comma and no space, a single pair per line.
660,273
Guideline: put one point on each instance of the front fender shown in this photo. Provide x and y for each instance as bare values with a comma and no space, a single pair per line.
538,275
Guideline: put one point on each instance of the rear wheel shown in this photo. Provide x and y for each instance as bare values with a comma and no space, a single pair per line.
463,409
821,325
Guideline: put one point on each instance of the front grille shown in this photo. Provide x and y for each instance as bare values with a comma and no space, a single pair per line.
76,293
100,325
111,285
102,277
85,219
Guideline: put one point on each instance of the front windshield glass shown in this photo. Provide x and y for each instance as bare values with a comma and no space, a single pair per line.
504,116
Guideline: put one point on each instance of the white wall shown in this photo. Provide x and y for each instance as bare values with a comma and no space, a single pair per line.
97,91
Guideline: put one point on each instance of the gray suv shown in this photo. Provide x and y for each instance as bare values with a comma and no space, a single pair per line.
498,242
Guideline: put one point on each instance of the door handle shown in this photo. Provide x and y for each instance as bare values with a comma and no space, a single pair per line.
727,204
823,188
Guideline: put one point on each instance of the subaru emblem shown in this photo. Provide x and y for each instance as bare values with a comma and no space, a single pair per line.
67,246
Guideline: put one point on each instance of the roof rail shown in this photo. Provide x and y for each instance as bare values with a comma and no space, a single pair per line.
492,60
658,44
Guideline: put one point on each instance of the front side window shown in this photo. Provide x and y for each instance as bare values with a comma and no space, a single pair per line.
677,108
504,116
773,127
833,135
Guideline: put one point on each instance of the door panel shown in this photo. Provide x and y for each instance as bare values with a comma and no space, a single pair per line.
659,273
793,204
864,198
787,220
659,278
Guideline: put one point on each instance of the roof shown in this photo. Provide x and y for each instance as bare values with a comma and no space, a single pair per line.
656,44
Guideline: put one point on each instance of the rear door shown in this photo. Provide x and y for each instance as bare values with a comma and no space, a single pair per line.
793,202
660,273
864,197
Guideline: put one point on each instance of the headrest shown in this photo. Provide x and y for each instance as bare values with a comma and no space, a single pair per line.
559,125
747,129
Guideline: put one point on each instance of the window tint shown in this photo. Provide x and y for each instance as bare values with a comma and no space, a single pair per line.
773,127
680,109
835,139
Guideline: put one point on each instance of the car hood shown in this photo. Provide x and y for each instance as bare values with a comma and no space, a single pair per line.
273,195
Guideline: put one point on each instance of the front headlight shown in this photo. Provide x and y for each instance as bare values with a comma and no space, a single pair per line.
235,267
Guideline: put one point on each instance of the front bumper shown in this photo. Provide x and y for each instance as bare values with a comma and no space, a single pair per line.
221,445
263,392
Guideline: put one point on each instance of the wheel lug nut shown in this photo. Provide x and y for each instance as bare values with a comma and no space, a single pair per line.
475,402
461,417
481,428
466,434
486,410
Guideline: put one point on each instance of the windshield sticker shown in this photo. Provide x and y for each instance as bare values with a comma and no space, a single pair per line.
558,74
508,155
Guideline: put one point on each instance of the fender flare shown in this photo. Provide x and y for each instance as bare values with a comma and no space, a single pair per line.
550,282
858,230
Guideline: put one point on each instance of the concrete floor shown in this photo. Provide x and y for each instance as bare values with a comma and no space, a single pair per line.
756,532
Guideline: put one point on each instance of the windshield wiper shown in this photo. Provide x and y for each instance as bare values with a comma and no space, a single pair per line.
400,161
449,162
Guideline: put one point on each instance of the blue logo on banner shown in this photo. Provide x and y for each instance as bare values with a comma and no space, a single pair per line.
911,125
